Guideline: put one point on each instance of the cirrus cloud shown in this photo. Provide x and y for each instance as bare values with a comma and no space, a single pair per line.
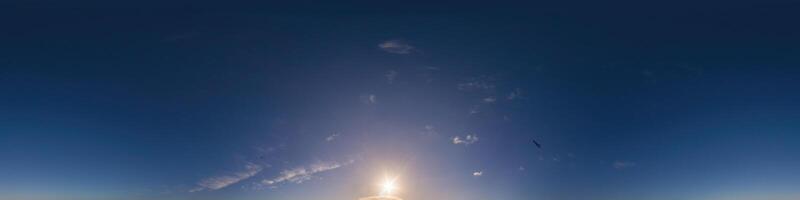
302,174
219,182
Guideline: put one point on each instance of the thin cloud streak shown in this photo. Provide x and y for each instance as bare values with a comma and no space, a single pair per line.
219,182
304,173
476,85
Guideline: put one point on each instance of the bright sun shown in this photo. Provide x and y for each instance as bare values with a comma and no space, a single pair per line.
388,186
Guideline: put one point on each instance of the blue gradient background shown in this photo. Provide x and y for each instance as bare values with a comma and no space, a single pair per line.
144,100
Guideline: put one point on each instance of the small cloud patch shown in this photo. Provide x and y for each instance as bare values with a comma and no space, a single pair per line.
396,47
477,173
368,99
331,137
466,140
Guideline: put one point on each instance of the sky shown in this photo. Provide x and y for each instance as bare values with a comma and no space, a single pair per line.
258,100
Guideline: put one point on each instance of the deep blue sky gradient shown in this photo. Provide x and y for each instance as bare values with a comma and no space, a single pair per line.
631,100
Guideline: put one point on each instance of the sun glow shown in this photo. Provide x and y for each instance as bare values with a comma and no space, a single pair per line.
388,186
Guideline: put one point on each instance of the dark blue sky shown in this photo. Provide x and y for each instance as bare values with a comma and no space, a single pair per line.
630,100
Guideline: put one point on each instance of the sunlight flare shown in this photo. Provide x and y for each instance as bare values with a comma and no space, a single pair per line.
388,186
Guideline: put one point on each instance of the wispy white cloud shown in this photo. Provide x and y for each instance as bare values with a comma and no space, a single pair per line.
475,85
304,173
368,99
390,76
623,164
430,130
219,182
477,173
396,47
474,109
269,150
467,140
331,137
489,99
480,83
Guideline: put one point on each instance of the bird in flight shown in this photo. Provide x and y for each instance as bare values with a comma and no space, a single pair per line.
536,143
